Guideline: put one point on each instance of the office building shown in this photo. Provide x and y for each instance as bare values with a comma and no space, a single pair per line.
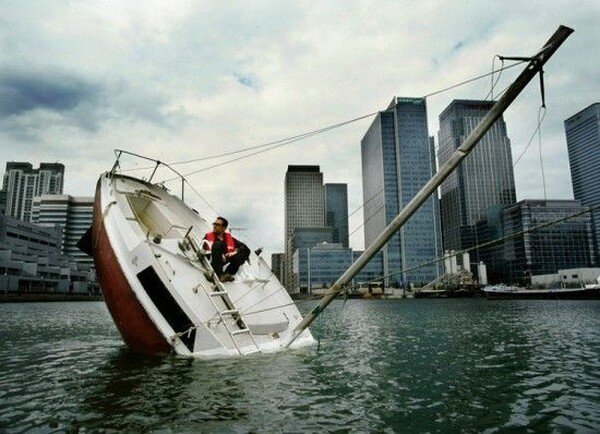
397,161
570,278
22,183
490,228
303,238
304,208
72,214
308,237
277,265
483,179
2,202
30,261
322,265
545,251
583,143
372,273
336,211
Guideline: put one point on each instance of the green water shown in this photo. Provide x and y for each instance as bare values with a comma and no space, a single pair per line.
396,366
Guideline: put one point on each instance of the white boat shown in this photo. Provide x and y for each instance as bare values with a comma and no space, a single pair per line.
513,292
162,292
160,288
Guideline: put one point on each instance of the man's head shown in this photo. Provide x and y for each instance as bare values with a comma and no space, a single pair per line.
220,225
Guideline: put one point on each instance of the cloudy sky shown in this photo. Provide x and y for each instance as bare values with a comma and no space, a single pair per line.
179,80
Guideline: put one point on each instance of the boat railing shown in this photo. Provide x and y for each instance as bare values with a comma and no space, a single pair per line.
158,163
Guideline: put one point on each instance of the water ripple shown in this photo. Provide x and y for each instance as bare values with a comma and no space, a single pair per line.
408,365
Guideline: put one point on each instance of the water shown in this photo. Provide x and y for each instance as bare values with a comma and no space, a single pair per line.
406,365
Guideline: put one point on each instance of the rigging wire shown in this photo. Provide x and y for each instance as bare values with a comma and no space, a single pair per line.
284,140
292,139
439,259
261,148
365,203
540,152
512,65
272,145
542,110
487,243
278,145
367,220
490,93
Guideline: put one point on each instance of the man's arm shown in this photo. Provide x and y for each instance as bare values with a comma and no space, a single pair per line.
239,248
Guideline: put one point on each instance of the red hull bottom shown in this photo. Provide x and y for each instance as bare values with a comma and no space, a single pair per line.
134,324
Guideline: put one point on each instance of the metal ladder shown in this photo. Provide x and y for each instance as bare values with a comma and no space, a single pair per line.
220,291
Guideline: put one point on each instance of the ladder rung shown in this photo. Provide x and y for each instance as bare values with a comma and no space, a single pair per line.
217,293
230,312
240,332
256,280
247,353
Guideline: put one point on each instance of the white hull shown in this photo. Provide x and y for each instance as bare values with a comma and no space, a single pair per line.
148,230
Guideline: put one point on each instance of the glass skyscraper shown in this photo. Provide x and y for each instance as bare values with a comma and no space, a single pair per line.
321,265
583,143
397,160
545,251
336,211
483,179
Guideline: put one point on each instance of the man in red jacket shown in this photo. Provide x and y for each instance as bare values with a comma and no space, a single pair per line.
225,250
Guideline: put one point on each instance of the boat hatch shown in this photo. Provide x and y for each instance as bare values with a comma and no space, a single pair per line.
272,325
154,217
168,307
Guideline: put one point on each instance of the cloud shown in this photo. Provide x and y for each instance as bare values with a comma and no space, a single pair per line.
22,92
33,104
191,79
458,45
248,80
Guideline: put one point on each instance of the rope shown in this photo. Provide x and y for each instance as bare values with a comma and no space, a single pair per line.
540,120
471,80
365,203
278,144
540,150
491,92
292,139
494,83
180,334
367,220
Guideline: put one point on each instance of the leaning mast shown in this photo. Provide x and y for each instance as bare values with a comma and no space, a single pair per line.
533,67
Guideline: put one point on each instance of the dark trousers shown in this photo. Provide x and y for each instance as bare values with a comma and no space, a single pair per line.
234,263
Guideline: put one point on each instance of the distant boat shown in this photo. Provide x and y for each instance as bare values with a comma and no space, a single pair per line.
445,293
160,288
589,292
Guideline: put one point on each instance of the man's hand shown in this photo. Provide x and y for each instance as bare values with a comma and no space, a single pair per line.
229,255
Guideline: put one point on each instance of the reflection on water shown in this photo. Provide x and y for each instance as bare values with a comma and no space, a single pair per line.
406,365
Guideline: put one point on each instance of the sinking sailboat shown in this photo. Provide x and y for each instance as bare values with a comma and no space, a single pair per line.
159,286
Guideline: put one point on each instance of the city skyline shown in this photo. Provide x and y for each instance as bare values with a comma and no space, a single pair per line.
288,70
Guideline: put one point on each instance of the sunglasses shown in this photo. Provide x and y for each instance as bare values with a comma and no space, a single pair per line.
217,224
